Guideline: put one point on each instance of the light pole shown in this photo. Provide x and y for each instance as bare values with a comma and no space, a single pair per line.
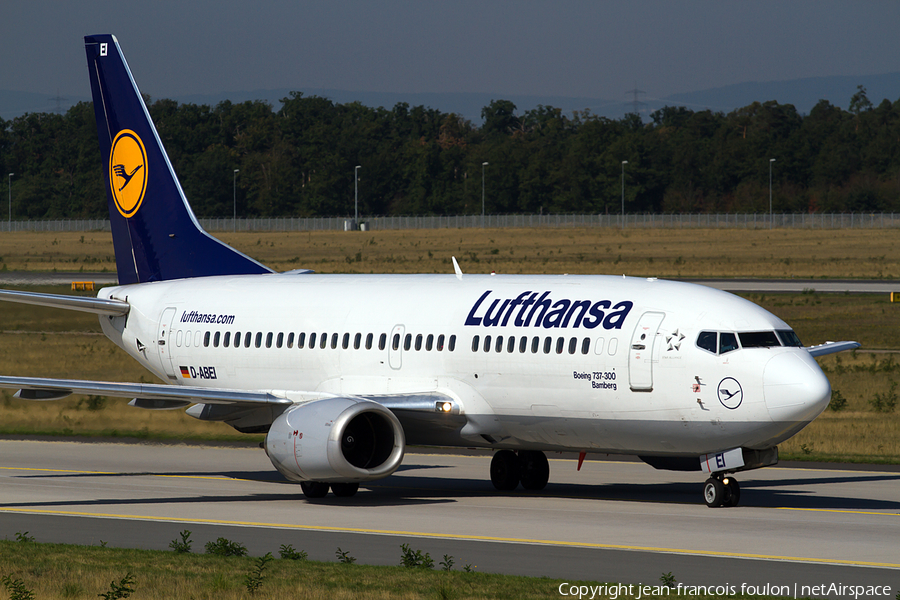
771,216
234,194
483,165
356,197
624,162
9,185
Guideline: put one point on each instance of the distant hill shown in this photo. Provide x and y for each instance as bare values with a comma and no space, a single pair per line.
802,93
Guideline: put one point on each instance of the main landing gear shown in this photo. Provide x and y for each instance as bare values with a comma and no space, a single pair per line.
318,489
721,490
528,467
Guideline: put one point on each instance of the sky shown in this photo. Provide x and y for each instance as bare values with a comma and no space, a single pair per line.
575,48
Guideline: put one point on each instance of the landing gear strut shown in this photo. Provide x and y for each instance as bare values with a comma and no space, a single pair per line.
530,467
721,491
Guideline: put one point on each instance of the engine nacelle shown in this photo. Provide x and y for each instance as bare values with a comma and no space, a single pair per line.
336,440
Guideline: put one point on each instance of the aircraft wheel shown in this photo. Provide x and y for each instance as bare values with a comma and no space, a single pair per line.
714,492
505,470
732,491
344,490
534,469
314,489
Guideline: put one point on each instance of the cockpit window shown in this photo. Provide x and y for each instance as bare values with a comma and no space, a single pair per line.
727,342
758,339
789,338
708,340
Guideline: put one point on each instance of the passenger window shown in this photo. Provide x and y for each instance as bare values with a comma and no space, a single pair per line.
511,344
498,347
573,345
407,341
535,344
178,338
188,336
197,339
290,342
269,337
707,341
418,342
475,343
345,342
323,341
259,339
487,343
206,340
598,346
548,344
216,340
451,346
301,340
586,345
334,341
395,343
727,342
429,342
312,340
382,341
247,338
560,344
523,344
227,339
279,341
357,339
369,341
613,346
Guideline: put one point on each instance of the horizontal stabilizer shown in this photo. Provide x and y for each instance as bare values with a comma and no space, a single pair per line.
97,306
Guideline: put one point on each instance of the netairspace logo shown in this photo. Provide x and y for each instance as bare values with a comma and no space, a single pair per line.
638,591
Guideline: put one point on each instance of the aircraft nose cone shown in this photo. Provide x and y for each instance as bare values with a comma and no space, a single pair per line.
795,388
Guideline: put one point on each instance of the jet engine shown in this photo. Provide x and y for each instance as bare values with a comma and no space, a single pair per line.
336,440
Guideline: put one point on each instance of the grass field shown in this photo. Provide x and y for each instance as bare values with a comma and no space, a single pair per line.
52,343
58,571
781,253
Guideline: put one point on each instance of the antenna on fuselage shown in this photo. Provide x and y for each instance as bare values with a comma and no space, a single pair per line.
457,269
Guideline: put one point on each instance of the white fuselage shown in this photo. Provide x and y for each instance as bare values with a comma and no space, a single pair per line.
565,366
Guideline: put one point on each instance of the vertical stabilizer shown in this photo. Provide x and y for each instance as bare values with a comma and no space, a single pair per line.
155,233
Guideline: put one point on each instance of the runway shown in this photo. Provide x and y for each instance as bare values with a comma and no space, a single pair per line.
616,520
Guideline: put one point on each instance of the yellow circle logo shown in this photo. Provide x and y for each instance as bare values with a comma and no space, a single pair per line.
128,172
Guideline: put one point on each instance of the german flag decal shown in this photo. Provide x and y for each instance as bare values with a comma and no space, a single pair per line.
185,372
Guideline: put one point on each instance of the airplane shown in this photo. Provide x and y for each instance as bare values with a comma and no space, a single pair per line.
341,372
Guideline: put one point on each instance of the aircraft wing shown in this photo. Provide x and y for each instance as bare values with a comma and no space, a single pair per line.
831,348
146,395
99,306
163,396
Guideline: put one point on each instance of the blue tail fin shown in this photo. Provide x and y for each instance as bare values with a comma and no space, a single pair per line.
155,233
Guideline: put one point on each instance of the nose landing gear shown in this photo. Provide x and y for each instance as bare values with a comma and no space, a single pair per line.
721,491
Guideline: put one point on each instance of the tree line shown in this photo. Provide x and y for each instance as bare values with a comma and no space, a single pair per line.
300,160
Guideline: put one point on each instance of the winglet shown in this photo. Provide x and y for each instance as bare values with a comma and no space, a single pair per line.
456,268
155,233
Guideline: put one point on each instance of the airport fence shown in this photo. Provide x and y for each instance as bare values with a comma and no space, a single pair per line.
632,221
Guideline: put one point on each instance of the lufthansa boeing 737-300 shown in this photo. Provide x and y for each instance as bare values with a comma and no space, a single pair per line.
341,372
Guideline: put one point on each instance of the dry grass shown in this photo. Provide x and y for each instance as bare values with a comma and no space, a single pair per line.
57,571
781,253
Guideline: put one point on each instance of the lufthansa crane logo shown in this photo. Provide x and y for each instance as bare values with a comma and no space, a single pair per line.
128,172
730,393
